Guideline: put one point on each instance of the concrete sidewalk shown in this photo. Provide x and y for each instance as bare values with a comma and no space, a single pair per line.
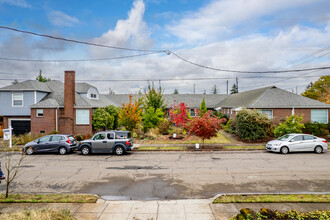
159,210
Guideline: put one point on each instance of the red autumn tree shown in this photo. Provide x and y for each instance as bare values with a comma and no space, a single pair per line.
178,114
130,115
204,127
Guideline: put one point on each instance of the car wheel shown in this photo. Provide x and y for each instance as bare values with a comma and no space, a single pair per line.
29,151
85,150
318,149
62,150
284,150
119,151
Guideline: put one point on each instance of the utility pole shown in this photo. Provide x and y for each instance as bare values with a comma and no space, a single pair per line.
227,87
237,83
296,89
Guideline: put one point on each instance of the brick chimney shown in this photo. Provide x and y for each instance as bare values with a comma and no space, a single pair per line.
69,93
67,119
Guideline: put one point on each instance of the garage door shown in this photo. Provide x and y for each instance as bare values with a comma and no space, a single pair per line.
21,127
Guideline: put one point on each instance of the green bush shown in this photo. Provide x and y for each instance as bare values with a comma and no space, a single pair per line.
221,115
292,124
230,126
317,129
151,118
163,126
252,125
292,214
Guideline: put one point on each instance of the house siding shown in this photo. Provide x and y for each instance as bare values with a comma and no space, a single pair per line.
6,108
47,123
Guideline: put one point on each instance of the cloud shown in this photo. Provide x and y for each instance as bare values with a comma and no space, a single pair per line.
59,18
132,32
226,18
19,3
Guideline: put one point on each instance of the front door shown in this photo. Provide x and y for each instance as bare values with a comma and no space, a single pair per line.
99,143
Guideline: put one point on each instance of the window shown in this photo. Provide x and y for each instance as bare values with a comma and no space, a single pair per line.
82,117
100,136
111,136
44,139
319,115
309,137
268,112
40,112
192,113
57,138
297,138
93,96
17,100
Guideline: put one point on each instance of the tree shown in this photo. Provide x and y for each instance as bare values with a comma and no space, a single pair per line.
178,114
42,79
14,82
154,97
204,127
202,108
105,118
214,90
234,89
320,90
151,118
292,124
12,168
130,115
176,91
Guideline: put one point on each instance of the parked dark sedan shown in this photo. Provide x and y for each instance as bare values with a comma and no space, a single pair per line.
60,143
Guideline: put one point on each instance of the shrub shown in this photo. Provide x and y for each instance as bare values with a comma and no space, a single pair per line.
317,129
252,125
292,124
25,138
270,214
229,126
175,130
163,126
153,133
151,118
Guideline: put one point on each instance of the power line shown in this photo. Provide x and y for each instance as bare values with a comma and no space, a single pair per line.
242,71
77,60
77,41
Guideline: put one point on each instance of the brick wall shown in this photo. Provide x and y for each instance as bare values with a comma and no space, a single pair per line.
45,124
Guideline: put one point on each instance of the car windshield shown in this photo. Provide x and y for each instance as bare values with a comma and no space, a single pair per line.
285,137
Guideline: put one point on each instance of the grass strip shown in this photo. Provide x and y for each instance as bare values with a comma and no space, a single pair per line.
161,148
243,147
48,198
38,215
178,148
266,198
7,149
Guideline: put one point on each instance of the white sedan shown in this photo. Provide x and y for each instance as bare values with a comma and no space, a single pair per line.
297,142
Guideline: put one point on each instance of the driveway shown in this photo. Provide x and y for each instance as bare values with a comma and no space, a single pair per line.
173,175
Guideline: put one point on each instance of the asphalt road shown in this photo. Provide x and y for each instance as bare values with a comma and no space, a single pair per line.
172,175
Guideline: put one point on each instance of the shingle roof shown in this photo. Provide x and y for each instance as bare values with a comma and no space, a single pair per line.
29,85
192,100
55,99
270,97
83,87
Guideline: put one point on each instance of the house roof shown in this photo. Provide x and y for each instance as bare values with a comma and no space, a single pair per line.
29,85
192,100
83,87
270,97
55,98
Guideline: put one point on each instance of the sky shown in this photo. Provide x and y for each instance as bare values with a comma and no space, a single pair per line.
244,35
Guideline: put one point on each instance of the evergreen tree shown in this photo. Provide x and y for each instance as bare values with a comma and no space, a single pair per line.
42,79
154,97
203,108
234,89
214,90
176,91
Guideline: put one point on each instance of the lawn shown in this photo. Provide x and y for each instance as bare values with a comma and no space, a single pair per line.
165,139
48,198
266,198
